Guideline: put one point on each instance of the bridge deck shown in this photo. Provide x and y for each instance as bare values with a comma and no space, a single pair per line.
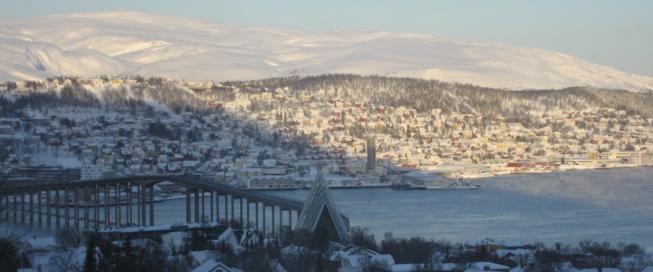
180,180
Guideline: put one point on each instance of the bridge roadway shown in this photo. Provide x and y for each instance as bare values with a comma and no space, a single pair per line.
186,181
13,201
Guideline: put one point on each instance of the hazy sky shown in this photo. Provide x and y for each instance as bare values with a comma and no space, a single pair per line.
614,33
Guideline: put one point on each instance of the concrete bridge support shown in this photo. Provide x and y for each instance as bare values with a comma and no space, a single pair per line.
102,201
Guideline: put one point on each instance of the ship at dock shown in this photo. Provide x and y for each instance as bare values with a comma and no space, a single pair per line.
419,180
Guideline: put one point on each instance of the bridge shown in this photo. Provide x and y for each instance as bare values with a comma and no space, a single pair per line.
129,201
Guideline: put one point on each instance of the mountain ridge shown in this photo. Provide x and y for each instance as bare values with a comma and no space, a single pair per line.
116,43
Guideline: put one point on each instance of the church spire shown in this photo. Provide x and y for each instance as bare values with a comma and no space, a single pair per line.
320,215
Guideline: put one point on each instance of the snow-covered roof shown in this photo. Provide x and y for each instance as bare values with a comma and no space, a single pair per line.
41,243
517,269
403,268
515,252
176,238
355,255
229,238
417,267
201,256
486,266
212,266
602,270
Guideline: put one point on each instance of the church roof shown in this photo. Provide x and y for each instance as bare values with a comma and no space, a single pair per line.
320,211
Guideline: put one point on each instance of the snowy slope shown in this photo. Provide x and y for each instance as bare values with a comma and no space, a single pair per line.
30,59
116,43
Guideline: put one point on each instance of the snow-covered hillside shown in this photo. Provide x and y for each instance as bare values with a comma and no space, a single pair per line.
116,43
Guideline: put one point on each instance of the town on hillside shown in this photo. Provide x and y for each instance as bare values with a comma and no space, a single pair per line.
258,137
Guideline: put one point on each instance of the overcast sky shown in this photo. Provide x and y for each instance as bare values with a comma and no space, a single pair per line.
614,33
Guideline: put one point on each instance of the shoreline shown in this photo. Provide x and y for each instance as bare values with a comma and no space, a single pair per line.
571,170
354,187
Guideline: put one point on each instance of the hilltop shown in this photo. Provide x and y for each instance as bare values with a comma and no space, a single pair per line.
119,43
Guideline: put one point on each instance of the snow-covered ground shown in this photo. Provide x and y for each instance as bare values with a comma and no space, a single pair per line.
117,43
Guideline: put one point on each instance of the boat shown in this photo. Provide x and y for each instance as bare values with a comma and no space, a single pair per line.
456,187
451,186
417,187
401,186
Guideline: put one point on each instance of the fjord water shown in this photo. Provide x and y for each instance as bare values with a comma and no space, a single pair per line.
603,205
614,205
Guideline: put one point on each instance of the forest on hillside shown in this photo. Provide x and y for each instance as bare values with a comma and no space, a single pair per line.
371,91
425,95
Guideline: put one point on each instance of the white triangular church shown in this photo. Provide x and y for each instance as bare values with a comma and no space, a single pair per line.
319,216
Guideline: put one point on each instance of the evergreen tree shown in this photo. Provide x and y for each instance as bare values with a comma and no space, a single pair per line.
107,256
8,251
127,260
90,261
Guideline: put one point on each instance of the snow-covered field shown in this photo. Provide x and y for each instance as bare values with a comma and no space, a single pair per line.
116,43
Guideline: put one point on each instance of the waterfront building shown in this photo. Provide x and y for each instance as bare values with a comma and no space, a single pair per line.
91,172
41,173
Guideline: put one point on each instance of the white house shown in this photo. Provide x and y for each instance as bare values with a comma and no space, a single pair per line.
356,259
487,266
213,266
91,172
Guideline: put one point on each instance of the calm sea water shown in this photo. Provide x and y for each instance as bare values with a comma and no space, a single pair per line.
613,205
606,205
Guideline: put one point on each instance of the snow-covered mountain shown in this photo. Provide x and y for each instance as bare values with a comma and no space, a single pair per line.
115,43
